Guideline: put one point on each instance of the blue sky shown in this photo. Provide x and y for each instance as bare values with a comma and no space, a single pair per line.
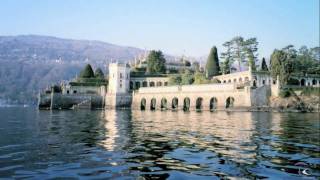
177,27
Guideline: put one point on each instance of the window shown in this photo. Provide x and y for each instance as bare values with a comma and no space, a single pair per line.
263,82
120,85
120,75
113,75
67,91
74,91
127,76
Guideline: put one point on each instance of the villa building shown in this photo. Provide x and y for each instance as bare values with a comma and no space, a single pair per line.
126,89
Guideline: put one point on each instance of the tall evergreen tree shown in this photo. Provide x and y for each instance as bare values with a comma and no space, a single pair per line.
264,66
212,66
156,63
87,72
98,73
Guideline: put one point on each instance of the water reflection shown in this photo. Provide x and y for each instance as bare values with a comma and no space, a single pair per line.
155,144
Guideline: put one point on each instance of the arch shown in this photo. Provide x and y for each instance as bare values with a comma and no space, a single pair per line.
213,103
137,85
229,81
163,103
144,84
153,104
224,81
131,85
166,83
234,80
229,102
151,84
199,104
143,104
314,82
240,79
175,103
186,104
159,83
303,82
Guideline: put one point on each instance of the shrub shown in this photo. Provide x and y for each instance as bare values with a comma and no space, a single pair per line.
98,73
285,93
311,91
87,72
292,81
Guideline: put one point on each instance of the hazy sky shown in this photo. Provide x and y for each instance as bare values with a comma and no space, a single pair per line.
191,27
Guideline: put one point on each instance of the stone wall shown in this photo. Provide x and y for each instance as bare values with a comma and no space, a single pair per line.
260,96
44,101
205,94
67,101
120,100
100,90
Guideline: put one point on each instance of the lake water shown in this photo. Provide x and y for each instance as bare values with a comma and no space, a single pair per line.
175,145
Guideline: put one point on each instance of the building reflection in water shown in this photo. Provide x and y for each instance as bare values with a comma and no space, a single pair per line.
111,130
227,134
117,129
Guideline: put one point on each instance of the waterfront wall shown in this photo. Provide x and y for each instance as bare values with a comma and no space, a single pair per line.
204,97
119,100
67,101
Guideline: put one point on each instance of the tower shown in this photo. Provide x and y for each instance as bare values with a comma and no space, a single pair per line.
118,87
119,78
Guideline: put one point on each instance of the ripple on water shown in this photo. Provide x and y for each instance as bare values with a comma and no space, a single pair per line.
174,145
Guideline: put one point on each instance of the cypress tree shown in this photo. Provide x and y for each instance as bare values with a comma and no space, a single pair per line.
212,66
87,72
98,73
264,66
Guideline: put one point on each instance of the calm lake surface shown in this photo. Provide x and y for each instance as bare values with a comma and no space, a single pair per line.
127,144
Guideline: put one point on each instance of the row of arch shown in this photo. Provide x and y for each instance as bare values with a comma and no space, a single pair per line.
304,82
186,104
246,79
138,84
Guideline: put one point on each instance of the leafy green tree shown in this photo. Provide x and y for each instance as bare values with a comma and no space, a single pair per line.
156,63
187,78
212,66
175,79
306,61
251,60
87,72
98,73
228,58
264,66
196,66
281,65
200,78
241,50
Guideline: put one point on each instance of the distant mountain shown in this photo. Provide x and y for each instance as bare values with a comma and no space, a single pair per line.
31,62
